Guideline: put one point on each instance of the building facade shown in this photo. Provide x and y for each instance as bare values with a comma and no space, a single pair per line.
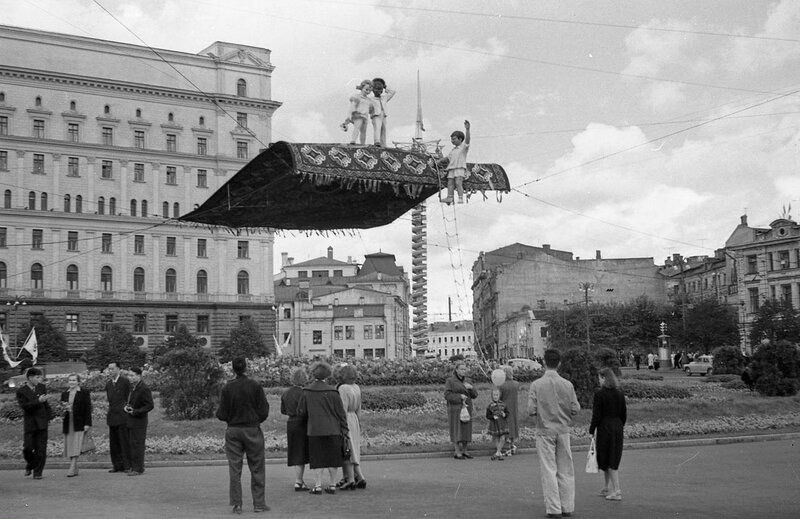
448,338
521,335
102,144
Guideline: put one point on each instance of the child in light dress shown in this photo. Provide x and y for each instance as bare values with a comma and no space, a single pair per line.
456,164
361,109
497,413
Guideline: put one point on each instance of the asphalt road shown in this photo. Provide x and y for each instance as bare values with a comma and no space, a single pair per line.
745,480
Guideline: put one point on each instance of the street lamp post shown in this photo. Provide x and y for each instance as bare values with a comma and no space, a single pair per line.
19,301
586,287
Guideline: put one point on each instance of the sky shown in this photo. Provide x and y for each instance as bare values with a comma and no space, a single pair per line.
639,129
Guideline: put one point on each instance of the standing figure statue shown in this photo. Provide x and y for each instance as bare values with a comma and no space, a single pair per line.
382,95
361,109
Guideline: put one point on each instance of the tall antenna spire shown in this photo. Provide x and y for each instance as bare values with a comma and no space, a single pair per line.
419,127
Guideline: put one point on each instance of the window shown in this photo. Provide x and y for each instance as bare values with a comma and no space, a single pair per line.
3,125
144,208
170,117
72,106
287,313
37,238
378,332
380,353
106,279
133,207
368,353
73,167
138,279
43,202
203,324
106,243
543,331
139,323
106,109
138,244
106,169
243,318
349,332
338,333
101,205
3,237
7,199
72,240
367,331
202,282
112,206
72,277
302,274
72,323
3,275
37,276
172,142
316,336
783,259
241,149
138,172
241,88
171,245
38,101
202,121
138,139
172,175
78,204
319,273
176,210
786,293
241,119
32,200
138,113
73,132
3,161
754,302
171,323
337,273
202,251
242,283
38,128
165,209
106,322
202,178
38,164
202,145
108,136
171,281
243,249
752,264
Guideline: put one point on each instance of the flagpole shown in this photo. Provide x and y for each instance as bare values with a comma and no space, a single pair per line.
14,306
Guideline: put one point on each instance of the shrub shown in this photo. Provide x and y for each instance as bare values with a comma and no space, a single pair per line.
190,378
383,399
245,341
10,411
117,344
645,390
728,360
578,366
644,375
735,384
720,378
776,368
607,358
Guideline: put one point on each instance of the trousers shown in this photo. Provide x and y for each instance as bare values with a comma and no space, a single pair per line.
249,441
119,447
558,473
34,450
136,439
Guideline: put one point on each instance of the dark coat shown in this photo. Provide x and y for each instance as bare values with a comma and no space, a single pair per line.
117,395
141,400
609,414
322,406
453,389
242,403
81,411
37,414
289,401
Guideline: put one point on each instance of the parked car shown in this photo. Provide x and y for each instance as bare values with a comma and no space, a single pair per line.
701,365
523,363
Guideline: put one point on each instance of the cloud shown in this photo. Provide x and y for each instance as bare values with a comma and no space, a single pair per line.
782,22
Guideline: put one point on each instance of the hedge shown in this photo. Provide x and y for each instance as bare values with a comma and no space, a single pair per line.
383,399
643,390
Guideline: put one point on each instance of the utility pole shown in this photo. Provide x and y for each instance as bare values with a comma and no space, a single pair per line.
586,287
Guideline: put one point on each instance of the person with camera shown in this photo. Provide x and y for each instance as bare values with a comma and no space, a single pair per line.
32,398
140,402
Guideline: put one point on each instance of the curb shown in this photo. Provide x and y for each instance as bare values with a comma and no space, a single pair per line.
660,444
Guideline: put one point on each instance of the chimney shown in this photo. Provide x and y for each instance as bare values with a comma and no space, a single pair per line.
676,258
744,219
349,259
597,255
284,259
289,261
330,253
546,246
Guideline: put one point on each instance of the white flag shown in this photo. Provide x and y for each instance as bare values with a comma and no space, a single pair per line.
12,363
278,349
31,345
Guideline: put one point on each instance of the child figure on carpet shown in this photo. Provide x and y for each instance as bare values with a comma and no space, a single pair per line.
456,164
360,111
379,114
497,413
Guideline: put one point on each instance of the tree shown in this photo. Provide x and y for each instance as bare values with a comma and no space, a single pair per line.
728,360
115,345
579,367
710,324
776,321
180,339
776,368
50,340
245,341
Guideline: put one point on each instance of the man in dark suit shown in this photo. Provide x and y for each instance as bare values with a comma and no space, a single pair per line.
117,390
32,398
140,402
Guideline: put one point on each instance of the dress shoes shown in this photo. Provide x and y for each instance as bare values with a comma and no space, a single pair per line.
37,476
117,470
135,473
237,509
260,509
28,473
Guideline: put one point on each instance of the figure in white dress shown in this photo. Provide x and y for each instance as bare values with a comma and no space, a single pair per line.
361,109
382,95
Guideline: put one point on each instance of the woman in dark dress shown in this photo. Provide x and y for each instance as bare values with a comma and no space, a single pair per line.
321,406
296,437
458,392
608,418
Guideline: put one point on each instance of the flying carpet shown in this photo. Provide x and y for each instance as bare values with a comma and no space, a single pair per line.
311,186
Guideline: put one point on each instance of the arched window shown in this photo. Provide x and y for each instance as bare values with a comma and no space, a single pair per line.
165,209
3,275
241,88
7,199
32,200
101,205
112,206
38,101
170,117
72,105
43,204
133,207
242,283
72,277
106,109
67,203
37,276
202,282
176,210
138,112
202,121
138,279
79,204
106,280
171,281
2,97
144,208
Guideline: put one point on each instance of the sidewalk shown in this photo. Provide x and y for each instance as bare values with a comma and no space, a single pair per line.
740,480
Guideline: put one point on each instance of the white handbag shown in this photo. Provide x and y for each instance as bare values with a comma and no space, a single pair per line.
591,459
464,416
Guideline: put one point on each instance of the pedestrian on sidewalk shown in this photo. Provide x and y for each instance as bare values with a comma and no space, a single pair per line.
296,437
32,398
509,393
77,421
243,407
497,414
117,390
552,400
459,393
140,403
609,414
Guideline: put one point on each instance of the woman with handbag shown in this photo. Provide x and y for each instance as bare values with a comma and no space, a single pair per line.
459,393
608,419
352,478
326,420
77,422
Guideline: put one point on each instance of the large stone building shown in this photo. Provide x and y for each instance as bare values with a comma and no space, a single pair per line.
509,281
331,307
448,338
101,144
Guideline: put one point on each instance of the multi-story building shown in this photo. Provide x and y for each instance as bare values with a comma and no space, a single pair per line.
448,338
101,145
512,279
331,307
521,335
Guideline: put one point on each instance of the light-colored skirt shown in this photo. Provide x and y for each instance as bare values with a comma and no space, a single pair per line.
73,441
